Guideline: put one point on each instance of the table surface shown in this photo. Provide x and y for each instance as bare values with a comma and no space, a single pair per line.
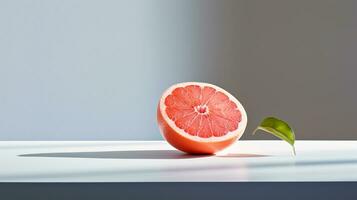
156,161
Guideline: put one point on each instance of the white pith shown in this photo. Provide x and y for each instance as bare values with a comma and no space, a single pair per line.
197,110
238,132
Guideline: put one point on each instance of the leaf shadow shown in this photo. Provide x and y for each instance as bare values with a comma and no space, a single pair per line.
242,155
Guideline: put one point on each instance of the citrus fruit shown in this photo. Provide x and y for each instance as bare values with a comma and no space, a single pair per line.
200,118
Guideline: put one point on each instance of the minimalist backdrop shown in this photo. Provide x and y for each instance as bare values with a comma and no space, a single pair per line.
94,70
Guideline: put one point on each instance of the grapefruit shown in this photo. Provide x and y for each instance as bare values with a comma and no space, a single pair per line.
200,118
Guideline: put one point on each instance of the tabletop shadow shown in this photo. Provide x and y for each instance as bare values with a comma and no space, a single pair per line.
242,155
135,154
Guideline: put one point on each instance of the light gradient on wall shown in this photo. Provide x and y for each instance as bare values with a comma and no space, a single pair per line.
94,70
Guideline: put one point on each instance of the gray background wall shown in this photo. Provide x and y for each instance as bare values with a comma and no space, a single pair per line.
94,70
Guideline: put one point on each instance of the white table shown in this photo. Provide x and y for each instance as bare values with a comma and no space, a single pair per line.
154,170
156,161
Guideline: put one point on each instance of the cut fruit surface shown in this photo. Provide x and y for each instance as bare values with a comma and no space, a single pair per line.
200,117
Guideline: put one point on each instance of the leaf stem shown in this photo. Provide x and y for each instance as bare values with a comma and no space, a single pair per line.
255,130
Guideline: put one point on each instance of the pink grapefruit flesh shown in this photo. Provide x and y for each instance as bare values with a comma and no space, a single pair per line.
200,118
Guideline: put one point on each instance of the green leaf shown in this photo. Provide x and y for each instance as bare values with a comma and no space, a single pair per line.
279,128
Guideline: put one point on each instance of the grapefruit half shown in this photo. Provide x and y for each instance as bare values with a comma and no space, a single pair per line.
200,118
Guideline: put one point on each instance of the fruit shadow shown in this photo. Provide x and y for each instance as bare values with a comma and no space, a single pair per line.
134,154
